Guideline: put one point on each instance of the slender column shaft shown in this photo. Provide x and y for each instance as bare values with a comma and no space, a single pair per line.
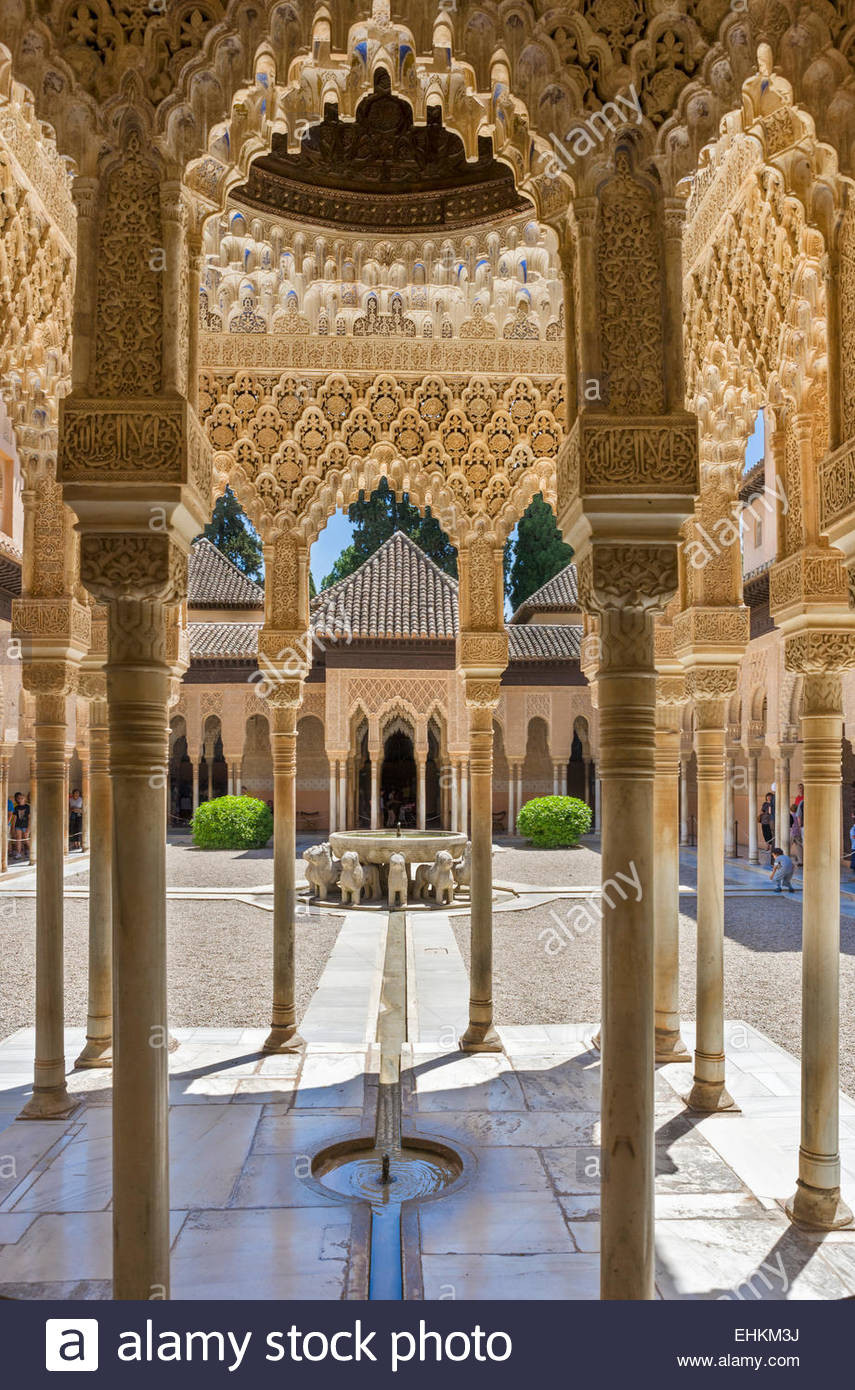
85,792
817,1202
66,793
98,1050
519,787
342,795
666,885
375,792
283,1036
729,839
138,700
512,815
626,685
598,797
421,778
209,764
708,1092
464,796
333,788
684,802
50,1098
455,797
564,781
480,1036
195,784
753,857
555,782
784,794
34,808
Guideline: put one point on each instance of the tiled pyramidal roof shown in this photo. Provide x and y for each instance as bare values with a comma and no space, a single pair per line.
214,582
398,593
559,592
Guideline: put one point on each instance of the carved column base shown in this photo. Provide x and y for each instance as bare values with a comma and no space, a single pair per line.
284,1039
480,1037
98,1052
709,1095
669,1046
817,1208
49,1103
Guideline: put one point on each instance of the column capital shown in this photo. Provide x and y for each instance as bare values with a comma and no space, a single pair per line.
482,653
51,628
137,567
708,637
819,650
616,575
481,693
710,688
807,586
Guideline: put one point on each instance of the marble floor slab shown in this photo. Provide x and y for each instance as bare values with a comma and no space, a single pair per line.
523,1219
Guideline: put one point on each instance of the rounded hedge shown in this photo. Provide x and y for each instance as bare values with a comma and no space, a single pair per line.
553,821
232,822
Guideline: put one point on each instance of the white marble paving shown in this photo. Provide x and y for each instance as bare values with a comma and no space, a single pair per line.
523,1222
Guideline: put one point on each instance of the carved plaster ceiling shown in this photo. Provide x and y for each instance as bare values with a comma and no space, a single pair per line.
382,171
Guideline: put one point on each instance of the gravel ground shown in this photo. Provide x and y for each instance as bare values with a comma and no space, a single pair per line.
546,868
762,972
189,867
219,963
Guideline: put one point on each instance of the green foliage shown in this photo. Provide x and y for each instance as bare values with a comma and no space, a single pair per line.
378,517
552,821
537,554
232,822
231,532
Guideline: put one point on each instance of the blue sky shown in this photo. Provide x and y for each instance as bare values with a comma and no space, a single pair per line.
335,537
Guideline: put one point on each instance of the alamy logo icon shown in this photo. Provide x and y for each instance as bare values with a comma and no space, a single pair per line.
71,1344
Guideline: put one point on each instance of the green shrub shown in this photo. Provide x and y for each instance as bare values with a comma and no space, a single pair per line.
232,822
552,821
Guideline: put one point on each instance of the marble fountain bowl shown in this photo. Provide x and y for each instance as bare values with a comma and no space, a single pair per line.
378,846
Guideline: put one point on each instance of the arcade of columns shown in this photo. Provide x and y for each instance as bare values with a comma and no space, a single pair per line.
684,304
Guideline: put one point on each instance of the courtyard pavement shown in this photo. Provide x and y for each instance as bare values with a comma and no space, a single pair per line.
248,1222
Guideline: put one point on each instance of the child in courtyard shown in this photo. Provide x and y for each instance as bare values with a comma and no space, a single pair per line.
782,864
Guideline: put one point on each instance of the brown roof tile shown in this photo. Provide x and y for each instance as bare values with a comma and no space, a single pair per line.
398,593
557,593
544,642
214,582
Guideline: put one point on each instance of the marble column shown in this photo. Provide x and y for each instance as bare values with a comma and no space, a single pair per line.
753,808
195,765
519,787
482,698
85,792
421,781
34,803
464,796
556,774
285,702
455,796
666,877
66,793
209,765
784,796
512,821
342,794
50,1099
729,835
709,1092
333,793
817,1202
374,755
98,1049
138,700
626,693
684,801
598,799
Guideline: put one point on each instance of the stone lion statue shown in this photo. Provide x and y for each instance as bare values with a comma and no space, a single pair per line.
436,880
352,878
463,867
322,871
398,881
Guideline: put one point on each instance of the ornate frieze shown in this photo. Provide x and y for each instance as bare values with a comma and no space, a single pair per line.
806,579
123,440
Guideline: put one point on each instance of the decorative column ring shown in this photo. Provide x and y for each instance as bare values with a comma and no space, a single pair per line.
284,699
710,688
482,699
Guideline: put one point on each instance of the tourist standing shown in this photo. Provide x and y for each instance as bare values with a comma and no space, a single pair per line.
766,820
21,826
75,820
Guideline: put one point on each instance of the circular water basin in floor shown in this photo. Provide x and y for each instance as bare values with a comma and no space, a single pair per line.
360,1170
